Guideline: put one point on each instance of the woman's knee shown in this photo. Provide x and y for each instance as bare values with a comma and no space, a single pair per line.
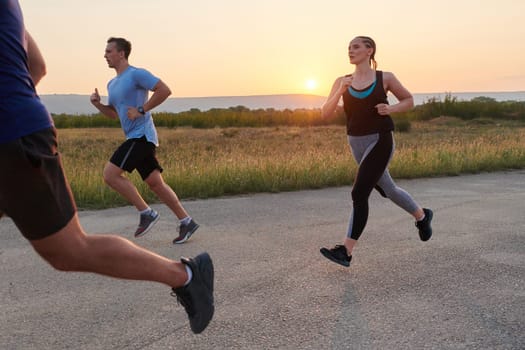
360,194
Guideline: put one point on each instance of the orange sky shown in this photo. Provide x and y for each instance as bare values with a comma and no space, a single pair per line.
239,47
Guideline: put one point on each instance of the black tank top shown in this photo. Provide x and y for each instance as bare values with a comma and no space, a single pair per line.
361,115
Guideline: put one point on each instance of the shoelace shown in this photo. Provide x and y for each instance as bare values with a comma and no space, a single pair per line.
183,302
420,224
144,219
341,249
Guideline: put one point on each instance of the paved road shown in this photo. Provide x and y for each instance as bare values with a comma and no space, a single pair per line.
464,289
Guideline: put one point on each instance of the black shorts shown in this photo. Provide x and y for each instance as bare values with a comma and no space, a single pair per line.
137,154
33,189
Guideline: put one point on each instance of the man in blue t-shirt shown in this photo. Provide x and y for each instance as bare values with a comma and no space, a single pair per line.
36,195
128,101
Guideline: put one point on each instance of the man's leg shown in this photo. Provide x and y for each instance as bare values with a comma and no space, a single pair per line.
187,225
165,193
71,249
113,176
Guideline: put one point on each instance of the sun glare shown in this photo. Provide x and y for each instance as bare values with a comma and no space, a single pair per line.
311,84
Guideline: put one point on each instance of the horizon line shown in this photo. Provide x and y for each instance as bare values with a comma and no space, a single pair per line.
304,94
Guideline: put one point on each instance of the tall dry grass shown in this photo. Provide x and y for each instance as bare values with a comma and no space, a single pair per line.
202,163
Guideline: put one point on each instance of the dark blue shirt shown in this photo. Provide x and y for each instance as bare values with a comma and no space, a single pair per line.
21,111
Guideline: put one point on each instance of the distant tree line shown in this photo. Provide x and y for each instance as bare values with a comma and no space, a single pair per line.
240,116
478,107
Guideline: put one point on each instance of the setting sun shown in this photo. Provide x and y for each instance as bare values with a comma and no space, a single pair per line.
311,84
292,55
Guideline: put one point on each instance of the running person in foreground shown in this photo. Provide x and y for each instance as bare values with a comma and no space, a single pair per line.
36,195
128,101
370,135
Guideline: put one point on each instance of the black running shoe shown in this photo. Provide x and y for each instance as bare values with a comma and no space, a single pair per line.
197,296
185,232
425,230
337,254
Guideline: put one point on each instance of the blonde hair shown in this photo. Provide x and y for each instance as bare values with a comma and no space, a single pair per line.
370,43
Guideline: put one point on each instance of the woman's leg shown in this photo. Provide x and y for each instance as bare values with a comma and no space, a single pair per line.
371,168
399,196
372,152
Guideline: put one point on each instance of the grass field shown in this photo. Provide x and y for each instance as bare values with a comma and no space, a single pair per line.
204,163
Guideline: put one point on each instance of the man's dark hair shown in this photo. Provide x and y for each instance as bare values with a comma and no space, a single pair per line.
122,45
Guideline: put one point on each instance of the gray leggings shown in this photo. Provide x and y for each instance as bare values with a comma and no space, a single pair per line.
373,154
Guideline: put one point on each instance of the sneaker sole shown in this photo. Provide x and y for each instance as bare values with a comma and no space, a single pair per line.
187,236
148,228
327,255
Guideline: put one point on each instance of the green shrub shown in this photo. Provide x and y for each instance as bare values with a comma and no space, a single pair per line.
240,116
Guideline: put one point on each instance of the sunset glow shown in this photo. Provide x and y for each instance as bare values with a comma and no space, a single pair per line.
311,84
236,48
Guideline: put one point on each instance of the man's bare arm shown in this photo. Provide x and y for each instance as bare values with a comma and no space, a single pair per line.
35,60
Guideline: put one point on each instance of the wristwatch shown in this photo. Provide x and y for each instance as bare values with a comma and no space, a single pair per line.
141,110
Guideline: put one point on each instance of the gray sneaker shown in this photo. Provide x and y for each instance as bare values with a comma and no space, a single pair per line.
146,222
197,296
185,232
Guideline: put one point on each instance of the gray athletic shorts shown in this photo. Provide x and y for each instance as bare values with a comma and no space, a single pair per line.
33,189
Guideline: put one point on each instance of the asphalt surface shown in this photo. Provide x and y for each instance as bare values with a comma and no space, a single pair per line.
464,289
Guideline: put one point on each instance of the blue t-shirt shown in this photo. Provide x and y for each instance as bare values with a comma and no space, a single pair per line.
130,89
21,111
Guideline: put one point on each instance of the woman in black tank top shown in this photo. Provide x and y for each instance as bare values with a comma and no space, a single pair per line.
369,129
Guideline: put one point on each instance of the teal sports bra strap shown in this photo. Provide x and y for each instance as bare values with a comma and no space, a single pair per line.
364,93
